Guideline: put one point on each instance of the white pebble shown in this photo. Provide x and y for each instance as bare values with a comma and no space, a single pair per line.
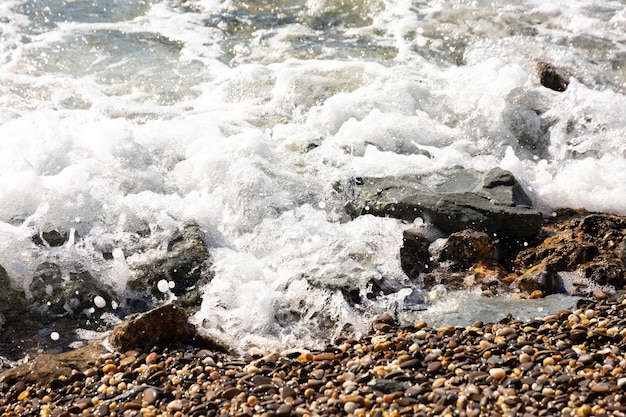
55,336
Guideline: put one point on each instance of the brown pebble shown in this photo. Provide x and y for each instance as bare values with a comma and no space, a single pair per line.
175,405
230,392
23,395
287,392
497,373
103,410
150,395
410,364
109,367
261,380
132,405
601,387
324,356
434,367
284,410
152,357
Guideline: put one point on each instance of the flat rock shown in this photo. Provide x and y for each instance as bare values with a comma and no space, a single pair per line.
46,367
491,202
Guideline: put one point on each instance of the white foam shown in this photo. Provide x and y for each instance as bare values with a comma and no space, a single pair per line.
120,132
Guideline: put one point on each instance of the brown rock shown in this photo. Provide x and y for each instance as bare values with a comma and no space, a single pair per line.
541,277
554,78
47,367
583,242
467,247
158,327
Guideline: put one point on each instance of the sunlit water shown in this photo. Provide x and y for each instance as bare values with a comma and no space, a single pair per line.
122,121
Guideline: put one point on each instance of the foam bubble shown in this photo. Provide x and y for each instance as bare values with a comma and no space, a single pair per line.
99,301
163,285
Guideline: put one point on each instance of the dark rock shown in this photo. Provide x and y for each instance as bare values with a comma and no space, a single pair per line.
491,202
414,255
468,247
185,262
11,299
159,327
55,296
388,385
541,277
51,238
554,78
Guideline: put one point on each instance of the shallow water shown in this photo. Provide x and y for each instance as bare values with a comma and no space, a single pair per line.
123,121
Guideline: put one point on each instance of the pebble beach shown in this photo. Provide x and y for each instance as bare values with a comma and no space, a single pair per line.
571,363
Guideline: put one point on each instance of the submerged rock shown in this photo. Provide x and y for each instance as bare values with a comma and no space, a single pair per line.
459,199
182,269
80,295
552,77
51,238
11,299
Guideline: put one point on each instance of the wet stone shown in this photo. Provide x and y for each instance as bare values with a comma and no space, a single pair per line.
151,395
434,367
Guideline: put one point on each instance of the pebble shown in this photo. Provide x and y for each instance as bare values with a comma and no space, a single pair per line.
150,396
497,373
568,363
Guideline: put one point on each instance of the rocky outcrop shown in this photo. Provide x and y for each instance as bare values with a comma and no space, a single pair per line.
588,244
492,202
576,253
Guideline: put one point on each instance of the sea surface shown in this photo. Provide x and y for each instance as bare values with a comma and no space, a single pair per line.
123,121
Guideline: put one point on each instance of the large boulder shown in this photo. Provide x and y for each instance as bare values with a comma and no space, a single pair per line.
491,202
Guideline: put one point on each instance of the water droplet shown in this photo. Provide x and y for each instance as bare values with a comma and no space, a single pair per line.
99,301
163,286
55,336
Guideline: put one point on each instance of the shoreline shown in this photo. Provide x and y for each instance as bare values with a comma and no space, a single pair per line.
570,363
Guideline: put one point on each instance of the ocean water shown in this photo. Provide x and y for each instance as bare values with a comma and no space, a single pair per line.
122,121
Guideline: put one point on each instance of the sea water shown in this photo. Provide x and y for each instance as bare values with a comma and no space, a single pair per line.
122,121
